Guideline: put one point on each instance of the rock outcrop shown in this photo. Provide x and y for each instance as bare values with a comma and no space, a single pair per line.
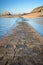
6,13
38,9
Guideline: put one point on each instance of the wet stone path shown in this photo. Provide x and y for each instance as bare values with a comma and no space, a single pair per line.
23,47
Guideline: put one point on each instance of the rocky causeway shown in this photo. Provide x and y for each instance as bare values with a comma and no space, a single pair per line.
23,47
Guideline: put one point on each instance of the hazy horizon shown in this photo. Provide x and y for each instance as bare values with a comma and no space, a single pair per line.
19,6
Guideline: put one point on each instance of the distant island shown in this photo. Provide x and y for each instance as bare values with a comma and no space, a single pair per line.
37,12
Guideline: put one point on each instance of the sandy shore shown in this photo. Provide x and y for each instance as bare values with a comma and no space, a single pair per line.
30,15
33,15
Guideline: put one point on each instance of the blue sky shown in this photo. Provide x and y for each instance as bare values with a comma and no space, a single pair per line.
19,6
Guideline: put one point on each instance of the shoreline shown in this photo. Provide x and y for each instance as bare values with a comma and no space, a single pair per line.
30,15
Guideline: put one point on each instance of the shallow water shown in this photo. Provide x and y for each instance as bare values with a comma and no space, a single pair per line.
6,24
37,24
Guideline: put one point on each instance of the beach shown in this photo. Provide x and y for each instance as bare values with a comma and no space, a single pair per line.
29,15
